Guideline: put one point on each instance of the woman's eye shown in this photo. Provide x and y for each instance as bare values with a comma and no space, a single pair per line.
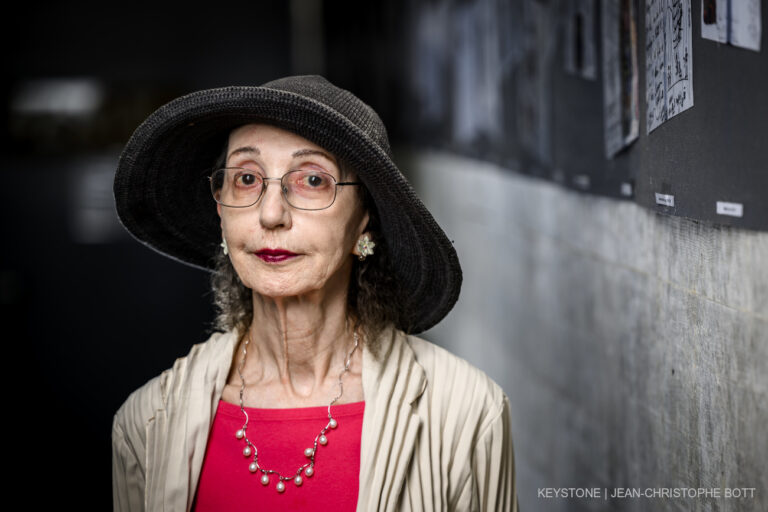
315,181
312,180
246,179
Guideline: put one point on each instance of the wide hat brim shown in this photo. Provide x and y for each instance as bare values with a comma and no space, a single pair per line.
163,197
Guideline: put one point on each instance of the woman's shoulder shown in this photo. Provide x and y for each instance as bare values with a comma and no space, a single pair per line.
158,393
455,386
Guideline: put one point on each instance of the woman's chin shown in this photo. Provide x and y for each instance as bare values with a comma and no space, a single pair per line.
298,281
277,281
279,294
281,290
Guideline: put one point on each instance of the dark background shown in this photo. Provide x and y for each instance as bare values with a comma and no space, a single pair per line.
88,318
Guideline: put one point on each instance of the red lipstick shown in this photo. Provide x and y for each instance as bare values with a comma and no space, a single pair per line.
275,255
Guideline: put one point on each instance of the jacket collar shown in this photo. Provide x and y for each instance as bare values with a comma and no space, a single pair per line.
392,383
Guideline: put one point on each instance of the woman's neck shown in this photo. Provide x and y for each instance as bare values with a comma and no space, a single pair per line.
298,346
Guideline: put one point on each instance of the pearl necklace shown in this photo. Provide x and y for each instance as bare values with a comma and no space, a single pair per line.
308,468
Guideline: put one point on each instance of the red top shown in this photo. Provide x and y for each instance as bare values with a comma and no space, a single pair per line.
281,435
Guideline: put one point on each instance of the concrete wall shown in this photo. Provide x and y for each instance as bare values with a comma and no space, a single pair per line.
633,346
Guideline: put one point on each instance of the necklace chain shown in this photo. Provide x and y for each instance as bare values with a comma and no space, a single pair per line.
308,468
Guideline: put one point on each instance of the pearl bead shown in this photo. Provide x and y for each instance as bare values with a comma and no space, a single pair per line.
298,481
309,471
309,452
322,440
280,486
333,423
247,451
265,479
252,467
240,434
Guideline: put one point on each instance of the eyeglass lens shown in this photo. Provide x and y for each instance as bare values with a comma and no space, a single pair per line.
303,189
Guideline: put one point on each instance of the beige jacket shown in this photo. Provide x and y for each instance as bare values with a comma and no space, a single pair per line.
435,432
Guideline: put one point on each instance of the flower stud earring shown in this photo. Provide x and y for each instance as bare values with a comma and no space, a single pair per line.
224,245
365,246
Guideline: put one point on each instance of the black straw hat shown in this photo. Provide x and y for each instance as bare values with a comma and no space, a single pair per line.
163,197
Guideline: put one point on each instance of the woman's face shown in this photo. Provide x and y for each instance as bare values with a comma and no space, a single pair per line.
278,250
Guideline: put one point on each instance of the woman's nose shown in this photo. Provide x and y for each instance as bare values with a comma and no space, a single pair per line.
275,212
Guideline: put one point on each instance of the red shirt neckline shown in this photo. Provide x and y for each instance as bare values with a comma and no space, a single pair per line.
294,413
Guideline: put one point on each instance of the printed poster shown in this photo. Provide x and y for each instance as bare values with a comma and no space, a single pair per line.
669,60
736,22
621,104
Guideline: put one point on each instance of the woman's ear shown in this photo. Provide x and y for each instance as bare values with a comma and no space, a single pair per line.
364,223
362,230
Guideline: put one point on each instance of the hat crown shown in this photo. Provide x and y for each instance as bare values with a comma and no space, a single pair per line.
319,89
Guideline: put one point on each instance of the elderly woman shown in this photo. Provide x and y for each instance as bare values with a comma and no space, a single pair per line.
315,395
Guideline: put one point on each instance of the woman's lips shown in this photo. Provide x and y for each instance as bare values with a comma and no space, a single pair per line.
275,255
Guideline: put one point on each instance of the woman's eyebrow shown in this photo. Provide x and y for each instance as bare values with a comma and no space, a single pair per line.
244,149
305,152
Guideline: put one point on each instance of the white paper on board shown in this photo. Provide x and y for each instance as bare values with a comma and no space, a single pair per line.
534,80
621,104
477,101
428,59
668,60
732,21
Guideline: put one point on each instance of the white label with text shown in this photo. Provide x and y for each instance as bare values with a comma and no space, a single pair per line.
730,209
665,199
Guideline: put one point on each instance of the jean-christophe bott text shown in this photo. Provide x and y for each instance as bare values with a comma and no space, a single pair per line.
647,492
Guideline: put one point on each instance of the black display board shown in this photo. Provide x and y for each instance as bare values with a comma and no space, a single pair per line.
717,150
579,159
488,79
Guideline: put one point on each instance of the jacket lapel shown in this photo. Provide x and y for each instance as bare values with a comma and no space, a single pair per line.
177,437
391,384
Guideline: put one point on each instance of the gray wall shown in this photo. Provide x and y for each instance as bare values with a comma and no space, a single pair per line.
633,346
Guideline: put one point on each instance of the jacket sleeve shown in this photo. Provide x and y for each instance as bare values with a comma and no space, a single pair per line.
127,473
129,450
493,466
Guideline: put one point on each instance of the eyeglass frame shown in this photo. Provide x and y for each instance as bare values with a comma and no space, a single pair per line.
264,179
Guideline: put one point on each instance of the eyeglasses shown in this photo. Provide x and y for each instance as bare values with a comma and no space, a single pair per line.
238,187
